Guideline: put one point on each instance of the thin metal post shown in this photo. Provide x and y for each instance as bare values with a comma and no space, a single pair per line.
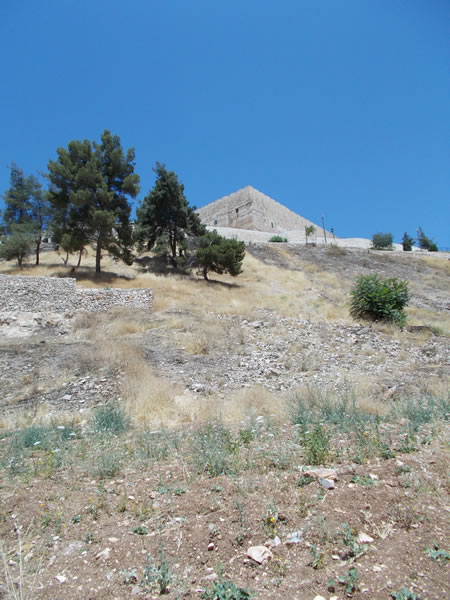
323,227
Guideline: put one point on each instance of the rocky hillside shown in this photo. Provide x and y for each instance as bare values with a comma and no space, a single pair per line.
176,450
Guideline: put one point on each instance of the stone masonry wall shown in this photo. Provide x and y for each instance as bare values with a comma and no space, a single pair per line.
54,294
250,209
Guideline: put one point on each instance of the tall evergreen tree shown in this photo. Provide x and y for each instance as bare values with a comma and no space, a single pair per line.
27,211
89,188
165,218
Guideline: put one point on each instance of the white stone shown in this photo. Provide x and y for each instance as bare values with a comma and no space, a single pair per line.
259,554
104,554
363,538
328,484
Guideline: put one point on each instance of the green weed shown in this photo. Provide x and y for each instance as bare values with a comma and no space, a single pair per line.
110,418
437,554
225,590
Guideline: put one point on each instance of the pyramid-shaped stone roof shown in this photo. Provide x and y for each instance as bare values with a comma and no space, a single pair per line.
248,208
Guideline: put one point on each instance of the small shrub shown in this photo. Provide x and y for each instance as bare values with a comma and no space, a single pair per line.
214,450
350,580
225,590
318,557
436,553
317,445
348,537
405,594
278,238
382,241
110,419
158,575
377,299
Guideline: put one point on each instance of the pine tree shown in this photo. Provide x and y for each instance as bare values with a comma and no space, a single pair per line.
27,212
407,242
89,188
165,219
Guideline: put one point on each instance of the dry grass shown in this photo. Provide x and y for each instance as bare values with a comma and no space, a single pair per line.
253,402
422,316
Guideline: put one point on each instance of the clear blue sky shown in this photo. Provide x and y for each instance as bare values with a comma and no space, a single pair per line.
334,108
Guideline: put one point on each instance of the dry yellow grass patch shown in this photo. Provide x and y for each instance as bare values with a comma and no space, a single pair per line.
441,263
40,414
422,316
252,402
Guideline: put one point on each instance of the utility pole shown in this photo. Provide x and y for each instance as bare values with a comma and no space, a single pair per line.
323,227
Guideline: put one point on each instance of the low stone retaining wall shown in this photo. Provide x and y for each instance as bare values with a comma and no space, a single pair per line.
94,300
55,294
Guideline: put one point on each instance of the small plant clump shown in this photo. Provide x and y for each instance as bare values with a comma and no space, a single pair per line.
110,418
437,554
226,590
158,575
376,299
405,594
278,238
317,445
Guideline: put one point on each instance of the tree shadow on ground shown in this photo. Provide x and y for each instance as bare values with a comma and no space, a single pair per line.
158,265
225,284
90,275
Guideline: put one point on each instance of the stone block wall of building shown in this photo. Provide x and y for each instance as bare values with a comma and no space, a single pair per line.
250,209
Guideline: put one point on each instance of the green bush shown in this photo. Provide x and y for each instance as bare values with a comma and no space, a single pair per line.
382,241
110,418
377,299
278,238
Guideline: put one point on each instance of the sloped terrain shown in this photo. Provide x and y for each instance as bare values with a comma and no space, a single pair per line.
143,449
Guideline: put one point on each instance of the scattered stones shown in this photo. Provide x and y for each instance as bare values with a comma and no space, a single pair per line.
61,578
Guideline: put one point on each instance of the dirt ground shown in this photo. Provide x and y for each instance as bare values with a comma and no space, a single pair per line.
225,397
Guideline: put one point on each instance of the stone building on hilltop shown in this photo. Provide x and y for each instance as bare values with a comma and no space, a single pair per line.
249,208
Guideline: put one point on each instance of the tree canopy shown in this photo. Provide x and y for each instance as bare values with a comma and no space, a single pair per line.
26,214
165,220
219,254
425,243
90,184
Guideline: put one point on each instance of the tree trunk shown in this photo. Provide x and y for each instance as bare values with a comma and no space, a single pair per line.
98,255
79,258
205,274
38,248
